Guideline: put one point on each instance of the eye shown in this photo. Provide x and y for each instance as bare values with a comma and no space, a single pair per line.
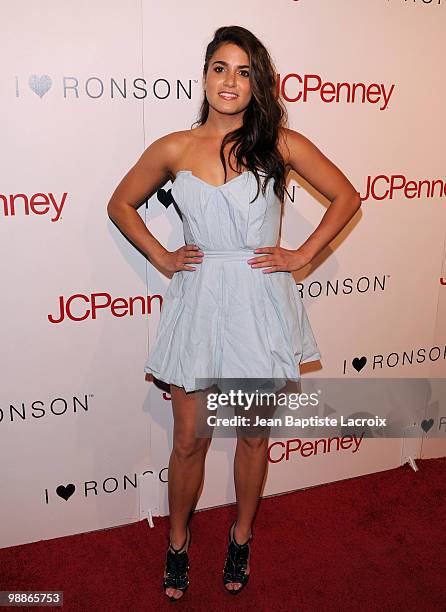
244,72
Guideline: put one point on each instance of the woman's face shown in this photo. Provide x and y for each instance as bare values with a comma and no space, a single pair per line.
227,82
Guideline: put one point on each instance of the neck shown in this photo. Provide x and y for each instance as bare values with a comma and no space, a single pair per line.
219,125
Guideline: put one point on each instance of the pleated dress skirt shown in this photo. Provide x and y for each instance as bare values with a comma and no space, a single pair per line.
226,320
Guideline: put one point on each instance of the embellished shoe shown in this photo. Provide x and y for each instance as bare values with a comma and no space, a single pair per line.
177,567
236,562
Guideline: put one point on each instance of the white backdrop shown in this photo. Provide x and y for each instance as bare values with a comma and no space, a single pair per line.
85,87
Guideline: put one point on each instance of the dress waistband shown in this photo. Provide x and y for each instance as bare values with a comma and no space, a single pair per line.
228,253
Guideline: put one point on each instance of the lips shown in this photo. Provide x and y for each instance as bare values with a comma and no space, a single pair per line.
226,95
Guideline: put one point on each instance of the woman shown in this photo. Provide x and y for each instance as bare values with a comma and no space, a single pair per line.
241,126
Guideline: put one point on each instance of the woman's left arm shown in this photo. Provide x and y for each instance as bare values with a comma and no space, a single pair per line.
310,163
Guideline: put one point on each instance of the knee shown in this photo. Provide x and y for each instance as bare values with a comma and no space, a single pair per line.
186,447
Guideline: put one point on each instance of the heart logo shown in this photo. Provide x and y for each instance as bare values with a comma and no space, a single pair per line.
359,363
65,492
40,84
427,424
165,197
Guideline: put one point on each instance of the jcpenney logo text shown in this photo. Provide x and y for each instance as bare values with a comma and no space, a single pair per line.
36,204
80,307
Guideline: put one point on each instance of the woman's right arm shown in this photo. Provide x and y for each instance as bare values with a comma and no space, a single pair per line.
148,174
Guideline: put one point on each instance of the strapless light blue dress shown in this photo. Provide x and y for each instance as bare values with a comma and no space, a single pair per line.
226,319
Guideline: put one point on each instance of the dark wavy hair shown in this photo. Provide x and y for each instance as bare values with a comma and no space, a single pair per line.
255,143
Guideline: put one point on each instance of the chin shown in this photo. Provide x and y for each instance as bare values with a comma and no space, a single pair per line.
229,109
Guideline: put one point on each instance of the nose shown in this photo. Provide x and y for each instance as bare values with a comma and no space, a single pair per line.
230,79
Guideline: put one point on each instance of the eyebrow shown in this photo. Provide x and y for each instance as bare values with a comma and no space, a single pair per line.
226,64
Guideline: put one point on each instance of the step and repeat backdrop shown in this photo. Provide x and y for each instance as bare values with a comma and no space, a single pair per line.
85,435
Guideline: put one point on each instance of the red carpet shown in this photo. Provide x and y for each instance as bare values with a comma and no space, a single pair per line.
376,542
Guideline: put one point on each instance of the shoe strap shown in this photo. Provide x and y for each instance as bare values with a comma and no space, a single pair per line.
178,551
232,537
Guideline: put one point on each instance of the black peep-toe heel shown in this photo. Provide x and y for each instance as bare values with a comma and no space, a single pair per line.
177,567
236,562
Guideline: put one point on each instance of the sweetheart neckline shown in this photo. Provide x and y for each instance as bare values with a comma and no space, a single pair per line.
190,173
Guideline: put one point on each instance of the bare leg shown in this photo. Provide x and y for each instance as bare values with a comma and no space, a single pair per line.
186,467
249,471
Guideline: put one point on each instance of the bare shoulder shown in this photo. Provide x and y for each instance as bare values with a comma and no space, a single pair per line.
292,142
165,151
151,170
303,156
